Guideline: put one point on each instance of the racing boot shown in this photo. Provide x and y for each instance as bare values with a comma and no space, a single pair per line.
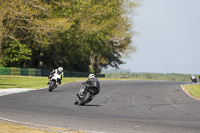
76,102
78,96
48,82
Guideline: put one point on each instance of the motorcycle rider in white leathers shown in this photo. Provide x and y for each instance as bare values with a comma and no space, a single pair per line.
59,71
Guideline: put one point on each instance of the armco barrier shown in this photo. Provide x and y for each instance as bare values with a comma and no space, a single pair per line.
34,72
31,72
38,72
41,72
45,72
5,71
14,71
24,71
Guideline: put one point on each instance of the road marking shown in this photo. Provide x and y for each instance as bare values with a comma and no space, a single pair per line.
4,92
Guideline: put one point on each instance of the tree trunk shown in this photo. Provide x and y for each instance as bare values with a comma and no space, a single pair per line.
94,67
24,63
92,61
1,30
0,43
1,35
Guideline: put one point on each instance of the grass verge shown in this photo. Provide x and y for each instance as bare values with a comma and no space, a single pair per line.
14,128
30,82
193,90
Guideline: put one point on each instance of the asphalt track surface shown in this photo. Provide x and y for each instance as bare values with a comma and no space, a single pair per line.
121,107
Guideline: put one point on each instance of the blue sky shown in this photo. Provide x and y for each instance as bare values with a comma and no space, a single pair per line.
168,39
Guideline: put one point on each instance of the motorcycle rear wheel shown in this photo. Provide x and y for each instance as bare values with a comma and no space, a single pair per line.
85,99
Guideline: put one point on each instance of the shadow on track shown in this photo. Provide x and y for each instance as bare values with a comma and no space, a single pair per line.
92,105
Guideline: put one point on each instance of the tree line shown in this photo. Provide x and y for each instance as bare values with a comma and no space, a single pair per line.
151,76
79,35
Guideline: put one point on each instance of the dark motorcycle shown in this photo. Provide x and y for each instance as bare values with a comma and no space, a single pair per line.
54,82
87,95
194,80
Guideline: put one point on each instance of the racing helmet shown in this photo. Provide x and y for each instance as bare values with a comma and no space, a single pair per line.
60,69
91,76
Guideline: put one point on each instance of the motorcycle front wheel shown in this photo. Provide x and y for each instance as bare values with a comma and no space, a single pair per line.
85,99
52,85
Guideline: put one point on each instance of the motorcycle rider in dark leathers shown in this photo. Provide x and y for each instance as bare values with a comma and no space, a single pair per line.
194,79
91,82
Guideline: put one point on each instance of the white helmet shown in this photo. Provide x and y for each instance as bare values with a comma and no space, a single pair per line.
60,69
91,76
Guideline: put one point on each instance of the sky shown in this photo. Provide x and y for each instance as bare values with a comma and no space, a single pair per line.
168,39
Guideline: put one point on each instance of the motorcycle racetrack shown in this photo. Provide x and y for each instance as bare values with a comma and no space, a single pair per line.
122,106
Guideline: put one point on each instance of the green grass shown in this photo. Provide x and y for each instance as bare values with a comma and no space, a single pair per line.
30,82
14,128
193,90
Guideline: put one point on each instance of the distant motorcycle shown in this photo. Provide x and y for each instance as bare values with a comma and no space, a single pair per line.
54,82
87,95
194,80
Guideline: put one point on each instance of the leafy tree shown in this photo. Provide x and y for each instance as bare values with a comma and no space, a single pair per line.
78,35
100,31
27,22
16,52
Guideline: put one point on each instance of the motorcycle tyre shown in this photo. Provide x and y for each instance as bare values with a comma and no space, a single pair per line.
51,86
85,99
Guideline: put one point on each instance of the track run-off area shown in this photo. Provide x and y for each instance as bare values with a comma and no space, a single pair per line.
122,106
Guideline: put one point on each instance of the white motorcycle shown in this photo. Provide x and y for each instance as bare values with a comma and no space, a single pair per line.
54,82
